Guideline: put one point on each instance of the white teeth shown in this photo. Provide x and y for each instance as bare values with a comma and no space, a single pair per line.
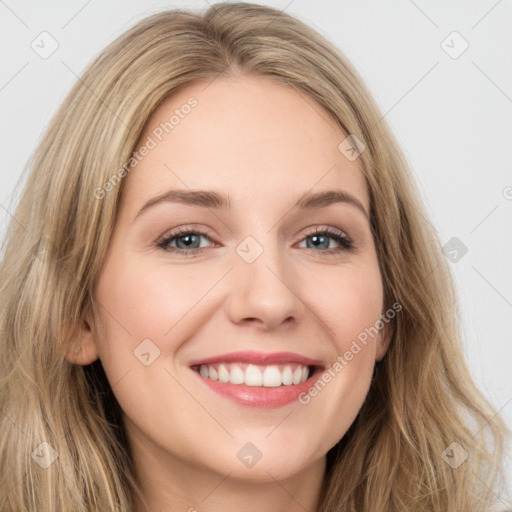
267,376
253,376
236,375
297,375
286,376
272,377
212,373
223,374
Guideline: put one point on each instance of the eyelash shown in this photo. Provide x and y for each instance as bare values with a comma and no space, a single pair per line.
346,244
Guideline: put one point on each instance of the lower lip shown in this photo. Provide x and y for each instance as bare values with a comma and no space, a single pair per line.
259,396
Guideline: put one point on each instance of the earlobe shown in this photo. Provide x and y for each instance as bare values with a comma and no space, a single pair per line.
83,349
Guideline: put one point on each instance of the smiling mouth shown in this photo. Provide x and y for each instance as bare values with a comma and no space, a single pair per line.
258,379
254,375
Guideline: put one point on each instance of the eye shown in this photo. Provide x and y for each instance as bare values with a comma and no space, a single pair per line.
321,238
184,241
187,241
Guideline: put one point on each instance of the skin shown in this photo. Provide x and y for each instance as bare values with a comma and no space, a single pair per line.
265,145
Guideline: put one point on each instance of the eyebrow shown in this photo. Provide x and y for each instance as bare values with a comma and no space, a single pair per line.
219,200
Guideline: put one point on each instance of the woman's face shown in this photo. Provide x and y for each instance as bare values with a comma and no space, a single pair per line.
264,292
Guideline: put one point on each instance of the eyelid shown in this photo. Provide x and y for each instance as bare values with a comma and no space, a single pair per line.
202,230
189,228
320,228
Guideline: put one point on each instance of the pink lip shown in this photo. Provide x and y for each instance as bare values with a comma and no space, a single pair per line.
255,396
261,358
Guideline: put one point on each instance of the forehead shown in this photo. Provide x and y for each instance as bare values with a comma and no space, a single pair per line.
249,136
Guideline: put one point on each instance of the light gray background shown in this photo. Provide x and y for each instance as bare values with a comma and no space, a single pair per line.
452,117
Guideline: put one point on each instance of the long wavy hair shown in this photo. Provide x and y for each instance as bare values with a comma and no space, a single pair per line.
422,398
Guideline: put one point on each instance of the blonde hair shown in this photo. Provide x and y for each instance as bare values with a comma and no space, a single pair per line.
422,398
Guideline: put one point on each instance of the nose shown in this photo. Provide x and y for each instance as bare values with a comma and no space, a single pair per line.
265,292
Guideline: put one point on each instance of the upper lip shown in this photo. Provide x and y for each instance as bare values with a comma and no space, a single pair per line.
259,358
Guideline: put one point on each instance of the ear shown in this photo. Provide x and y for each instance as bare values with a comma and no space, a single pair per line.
383,341
83,349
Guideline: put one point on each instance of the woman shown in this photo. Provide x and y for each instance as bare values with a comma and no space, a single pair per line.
219,292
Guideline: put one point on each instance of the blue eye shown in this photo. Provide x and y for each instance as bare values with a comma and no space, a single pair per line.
187,241
322,240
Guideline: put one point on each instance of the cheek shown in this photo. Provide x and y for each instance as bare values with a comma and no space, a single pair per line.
141,301
142,308
349,303
348,300
147,301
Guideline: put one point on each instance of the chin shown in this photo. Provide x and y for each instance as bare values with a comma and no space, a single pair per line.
269,460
